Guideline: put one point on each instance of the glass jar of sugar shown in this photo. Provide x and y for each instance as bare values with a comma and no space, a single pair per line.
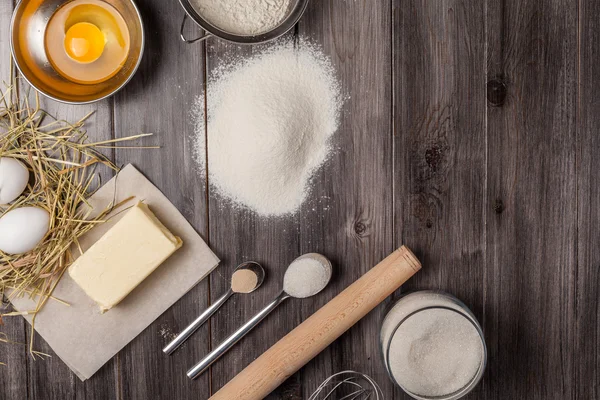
433,346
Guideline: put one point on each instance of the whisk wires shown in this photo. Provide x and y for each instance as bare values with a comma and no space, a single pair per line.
361,386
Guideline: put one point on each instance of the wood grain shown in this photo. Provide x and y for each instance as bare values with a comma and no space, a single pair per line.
51,379
13,375
531,209
440,145
586,351
238,235
469,133
158,100
349,216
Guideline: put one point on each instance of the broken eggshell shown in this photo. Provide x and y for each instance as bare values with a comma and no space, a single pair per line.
22,229
13,179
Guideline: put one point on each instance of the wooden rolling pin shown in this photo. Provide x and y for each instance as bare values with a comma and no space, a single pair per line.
311,337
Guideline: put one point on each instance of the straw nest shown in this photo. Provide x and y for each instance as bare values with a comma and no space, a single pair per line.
63,175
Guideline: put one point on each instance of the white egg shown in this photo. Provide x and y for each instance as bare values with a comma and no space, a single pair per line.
22,229
13,179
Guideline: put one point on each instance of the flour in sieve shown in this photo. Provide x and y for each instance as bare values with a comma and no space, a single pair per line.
270,122
243,17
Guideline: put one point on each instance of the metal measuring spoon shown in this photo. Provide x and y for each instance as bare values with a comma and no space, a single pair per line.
207,361
198,322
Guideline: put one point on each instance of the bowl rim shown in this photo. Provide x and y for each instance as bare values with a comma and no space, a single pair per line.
463,311
265,37
52,97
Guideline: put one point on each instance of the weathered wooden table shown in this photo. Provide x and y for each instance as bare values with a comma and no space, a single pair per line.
470,134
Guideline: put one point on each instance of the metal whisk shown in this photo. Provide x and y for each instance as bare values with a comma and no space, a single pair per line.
360,386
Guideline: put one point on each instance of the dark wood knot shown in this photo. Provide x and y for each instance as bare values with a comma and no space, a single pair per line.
360,228
498,206
496,92
434,157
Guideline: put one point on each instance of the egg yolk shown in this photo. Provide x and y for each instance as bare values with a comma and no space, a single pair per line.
84,42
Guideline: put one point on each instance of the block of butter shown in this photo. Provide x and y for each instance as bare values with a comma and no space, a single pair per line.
123,257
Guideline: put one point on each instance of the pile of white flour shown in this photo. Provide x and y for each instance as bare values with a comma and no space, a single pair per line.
270,121
243,17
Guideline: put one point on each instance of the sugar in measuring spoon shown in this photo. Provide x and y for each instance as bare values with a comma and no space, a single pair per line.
306,276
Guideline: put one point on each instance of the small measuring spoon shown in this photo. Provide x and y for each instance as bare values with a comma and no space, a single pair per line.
300,281
255,267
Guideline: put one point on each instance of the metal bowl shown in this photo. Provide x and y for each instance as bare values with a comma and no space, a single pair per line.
294,15
28,28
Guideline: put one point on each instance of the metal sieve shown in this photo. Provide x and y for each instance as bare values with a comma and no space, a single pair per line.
294,15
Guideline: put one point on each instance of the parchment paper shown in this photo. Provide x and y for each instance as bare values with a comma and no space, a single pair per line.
85,339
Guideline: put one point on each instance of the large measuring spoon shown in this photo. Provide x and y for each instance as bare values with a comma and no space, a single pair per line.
251,267
306,276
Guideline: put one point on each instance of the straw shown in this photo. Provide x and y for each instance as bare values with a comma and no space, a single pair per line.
62,165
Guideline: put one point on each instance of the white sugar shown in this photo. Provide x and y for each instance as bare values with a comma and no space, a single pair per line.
270,121
305,277
431,345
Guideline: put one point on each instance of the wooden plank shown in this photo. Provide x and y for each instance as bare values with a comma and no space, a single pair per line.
500,220
13,375
319,226
51,379
6,9
349,216
158,100
240,236
440,145
586,380
237,235
531,199
322,224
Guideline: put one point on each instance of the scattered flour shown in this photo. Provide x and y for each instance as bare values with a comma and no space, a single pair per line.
166,333
243,17
270,121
